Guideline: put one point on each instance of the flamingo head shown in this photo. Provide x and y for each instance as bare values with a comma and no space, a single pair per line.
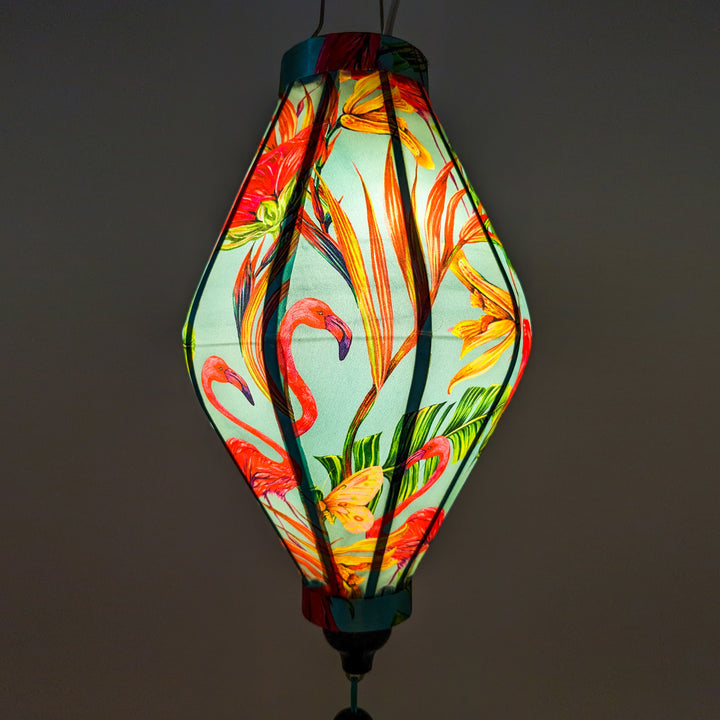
317,314
438,446
341,332
215,369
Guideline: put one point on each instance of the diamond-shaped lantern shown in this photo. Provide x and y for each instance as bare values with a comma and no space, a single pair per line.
358,330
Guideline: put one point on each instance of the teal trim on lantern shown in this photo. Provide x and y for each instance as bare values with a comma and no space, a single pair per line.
356,614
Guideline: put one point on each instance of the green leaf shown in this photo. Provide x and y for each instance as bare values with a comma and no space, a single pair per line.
430,464
415,429
468,419
409,482
499,410
366,452
333,465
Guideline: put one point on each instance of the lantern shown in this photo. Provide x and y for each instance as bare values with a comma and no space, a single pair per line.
357,332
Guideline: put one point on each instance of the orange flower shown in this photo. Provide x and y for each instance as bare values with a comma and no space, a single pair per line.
364,111
497,324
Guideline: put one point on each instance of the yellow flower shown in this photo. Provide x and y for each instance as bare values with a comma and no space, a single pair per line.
497,324
364,111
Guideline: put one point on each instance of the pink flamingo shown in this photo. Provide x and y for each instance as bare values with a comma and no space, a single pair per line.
403,543
264,474
316,314
436,447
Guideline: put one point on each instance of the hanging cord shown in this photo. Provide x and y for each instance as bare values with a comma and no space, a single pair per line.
388,24
353,693
322,19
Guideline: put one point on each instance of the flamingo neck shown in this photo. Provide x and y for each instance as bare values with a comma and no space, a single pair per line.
442,452
210,395
444,455
291,375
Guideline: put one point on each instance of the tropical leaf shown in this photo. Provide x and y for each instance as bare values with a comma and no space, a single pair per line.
461,429
320,240
405,238
333,465
366,452
418,428
396,224
433,220
409,483
415,428
430,464
382,283
287,122
347,242
251,309
450,247
241,291
469,417
464,407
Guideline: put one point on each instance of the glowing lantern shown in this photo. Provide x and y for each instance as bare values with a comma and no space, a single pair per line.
358,330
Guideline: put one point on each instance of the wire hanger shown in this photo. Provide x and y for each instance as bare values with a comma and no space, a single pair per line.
386,26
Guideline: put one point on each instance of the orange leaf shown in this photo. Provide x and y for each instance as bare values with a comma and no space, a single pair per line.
287,122
350,248
433,218
382,283
396,223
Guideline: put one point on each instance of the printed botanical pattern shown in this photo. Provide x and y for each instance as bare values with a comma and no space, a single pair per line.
359,330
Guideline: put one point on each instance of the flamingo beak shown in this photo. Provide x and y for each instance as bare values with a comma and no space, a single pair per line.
415,457
234,379
341,332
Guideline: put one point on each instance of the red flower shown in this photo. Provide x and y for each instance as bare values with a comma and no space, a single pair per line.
272,174
262,205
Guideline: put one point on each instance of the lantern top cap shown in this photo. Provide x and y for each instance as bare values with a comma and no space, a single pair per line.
353,52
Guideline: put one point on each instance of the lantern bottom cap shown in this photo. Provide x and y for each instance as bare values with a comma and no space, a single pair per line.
356,615
357,649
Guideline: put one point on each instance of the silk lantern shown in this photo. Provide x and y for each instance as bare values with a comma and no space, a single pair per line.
358,330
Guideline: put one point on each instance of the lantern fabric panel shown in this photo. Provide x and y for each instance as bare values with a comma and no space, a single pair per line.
358,330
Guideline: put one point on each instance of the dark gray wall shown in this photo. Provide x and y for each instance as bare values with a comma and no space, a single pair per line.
577,577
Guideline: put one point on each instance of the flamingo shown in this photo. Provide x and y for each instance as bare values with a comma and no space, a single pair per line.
264,474
436,447
316,314
403,542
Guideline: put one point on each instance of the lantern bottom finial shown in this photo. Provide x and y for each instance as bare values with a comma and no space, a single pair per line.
357,649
